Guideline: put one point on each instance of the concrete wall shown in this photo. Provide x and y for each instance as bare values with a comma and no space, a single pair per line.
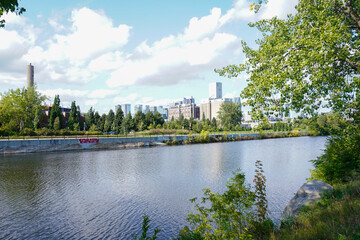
49,145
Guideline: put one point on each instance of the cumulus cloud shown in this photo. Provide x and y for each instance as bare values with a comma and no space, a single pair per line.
177,58
87,48
90,45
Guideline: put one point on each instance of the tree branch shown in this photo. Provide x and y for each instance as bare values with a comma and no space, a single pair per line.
350,12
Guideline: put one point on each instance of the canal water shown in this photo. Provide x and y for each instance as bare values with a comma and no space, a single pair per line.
104,194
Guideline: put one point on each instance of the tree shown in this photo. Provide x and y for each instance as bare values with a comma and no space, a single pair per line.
57,124
149,118
37,117
55,112
18,108
90,118
101,122
116,125
109,120
229,114
308,59
7,6
158,119
128,124
73,117
139,121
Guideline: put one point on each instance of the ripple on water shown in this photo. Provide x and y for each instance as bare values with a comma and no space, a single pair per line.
104,194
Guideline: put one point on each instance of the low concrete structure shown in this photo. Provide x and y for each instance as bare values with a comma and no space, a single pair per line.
307,195
50,145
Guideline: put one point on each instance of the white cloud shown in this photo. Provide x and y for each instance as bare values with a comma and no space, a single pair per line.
91,102
133,97
103,93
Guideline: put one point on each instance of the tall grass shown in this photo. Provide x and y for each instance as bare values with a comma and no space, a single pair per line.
336,216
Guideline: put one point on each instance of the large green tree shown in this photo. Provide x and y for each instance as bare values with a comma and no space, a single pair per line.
7,6
55,112
73,120
303,62
229,114
308,59
116,125
19,107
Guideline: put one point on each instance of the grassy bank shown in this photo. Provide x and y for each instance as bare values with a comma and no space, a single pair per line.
207,137
336,216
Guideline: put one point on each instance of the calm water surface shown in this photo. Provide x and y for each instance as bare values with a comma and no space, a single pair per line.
103,194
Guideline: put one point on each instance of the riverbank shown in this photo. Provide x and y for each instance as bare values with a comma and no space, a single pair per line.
98,143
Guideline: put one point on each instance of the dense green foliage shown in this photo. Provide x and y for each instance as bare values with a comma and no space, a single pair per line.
7,6
19,108
305,60
231,215
55,113
230,114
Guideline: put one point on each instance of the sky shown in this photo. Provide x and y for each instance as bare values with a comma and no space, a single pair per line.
104,53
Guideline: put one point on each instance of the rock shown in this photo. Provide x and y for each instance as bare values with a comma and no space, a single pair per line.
307,195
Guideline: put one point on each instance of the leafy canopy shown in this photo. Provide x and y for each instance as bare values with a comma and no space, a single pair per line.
305,61
9,6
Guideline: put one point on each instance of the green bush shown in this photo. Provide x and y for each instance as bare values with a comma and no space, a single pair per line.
27,132
238,213
341,160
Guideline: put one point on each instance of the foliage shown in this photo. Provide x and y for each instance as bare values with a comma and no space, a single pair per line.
57,124
341,160
118,120
90,118
336,216
145,228
18,109
230,114
231,215
73,117
7,6
55,112
109,120
327,124
305,60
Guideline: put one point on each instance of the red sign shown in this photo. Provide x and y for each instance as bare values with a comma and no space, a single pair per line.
88,140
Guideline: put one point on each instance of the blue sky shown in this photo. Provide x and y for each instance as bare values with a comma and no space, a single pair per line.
103,53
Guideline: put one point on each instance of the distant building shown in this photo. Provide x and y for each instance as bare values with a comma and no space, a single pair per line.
211,108
215,90
153,109
30,75
163,111
138,107
126,108
146,109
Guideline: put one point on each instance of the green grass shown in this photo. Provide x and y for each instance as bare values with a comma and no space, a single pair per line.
336,216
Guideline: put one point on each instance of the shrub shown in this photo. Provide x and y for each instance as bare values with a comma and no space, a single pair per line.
27,132
231,215
341,160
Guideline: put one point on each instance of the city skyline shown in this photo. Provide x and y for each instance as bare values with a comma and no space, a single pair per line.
101,55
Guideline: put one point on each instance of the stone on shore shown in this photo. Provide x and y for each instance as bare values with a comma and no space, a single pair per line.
307,195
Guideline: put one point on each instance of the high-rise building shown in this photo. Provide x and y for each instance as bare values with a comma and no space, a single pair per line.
138,107
30,75
215,90
146,109
153,109
126,108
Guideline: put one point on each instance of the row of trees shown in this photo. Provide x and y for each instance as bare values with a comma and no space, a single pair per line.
23,109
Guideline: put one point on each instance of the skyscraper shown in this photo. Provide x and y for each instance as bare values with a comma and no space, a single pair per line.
126,108
30,75
215,90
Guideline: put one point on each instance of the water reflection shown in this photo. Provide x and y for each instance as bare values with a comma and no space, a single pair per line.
103,194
